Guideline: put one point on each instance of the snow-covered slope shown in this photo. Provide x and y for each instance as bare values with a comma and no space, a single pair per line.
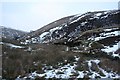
71,29
46,28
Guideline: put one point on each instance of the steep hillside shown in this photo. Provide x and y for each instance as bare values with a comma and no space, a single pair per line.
74,26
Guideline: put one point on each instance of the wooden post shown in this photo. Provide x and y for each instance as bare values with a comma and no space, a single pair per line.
119,31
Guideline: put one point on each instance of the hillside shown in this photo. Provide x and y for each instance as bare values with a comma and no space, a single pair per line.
11,33
71,29
47,27
79,46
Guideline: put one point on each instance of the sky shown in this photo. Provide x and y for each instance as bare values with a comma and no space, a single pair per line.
30,15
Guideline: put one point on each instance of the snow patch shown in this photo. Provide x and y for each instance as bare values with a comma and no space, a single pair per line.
42,35
79,17
111,49
1,43
83,23
99,14
12,45
106,74
105,35
56,28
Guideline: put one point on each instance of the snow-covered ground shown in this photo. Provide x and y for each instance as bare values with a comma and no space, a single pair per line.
68,71
65,71
106,74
